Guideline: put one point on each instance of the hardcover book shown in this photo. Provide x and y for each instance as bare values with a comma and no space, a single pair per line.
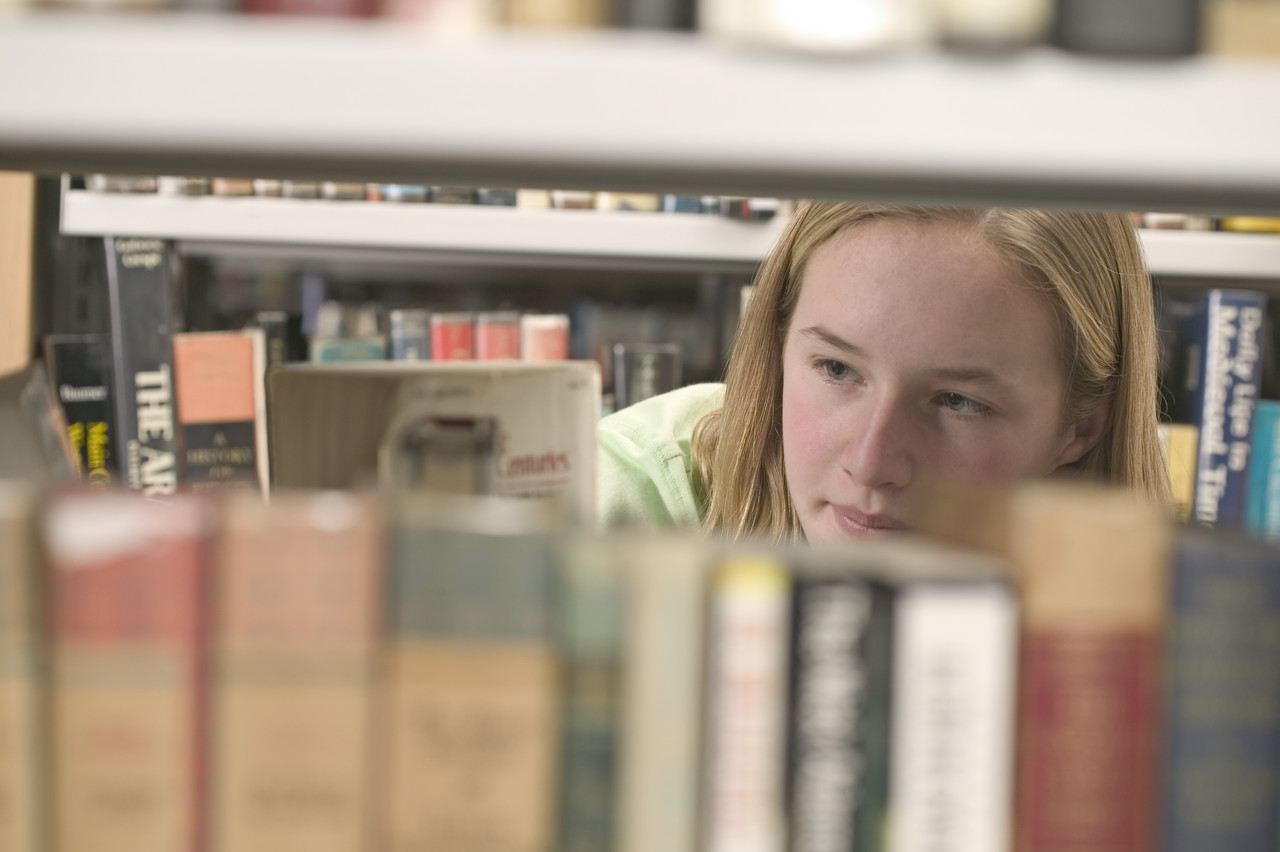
955,651
452,337
744,721
1264,471
592,627
1178,442
643,370
80,371
299,590
1222,705
472,689
141,297
216,377
661,736
838,709
1224,355
128,671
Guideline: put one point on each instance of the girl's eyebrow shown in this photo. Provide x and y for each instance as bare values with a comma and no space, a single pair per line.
824,335
971,375
968,375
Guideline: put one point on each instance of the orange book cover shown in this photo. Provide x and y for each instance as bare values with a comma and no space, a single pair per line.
298,589
127,671
215,383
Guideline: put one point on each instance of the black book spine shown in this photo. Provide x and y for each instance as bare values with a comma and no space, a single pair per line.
80,369
837,715
140,291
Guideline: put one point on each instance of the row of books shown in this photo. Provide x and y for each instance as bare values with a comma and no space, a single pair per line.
345,672
1196,222
738,207
1169,28
346,332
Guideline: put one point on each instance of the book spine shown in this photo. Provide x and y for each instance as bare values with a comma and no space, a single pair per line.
410,334
216,389
955,651
472,694
592,628
299,590
23,704
1264,471
140,293
745,716
837,729
659,769
643,370
1179,444
452,337
1087,762
128,673
497,335
1222,736
275,332
262,362
337,350
1230,377
544,337
80,370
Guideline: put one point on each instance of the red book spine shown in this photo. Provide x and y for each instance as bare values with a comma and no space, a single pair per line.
129,672
1088,732
452,337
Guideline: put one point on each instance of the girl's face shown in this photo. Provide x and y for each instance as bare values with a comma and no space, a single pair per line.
915,352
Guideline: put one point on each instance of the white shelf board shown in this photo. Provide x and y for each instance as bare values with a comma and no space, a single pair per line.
496,234
176,94
479,232
1212,254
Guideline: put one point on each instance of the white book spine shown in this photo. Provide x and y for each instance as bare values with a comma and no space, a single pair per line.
952,740
659,740
746,712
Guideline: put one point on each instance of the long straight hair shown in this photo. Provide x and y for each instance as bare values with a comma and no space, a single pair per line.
1089,265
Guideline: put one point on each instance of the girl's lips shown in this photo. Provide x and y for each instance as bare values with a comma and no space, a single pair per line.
860,524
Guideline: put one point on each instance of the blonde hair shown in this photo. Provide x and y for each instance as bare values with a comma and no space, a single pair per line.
1091,267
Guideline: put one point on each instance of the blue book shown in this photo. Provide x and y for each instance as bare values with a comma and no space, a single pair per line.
1222,706
471,679
1222,341
1264,471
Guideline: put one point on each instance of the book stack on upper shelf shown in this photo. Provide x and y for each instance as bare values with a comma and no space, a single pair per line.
1058,665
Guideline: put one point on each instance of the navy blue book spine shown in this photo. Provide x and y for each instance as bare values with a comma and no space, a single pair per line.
1225,347
1222,720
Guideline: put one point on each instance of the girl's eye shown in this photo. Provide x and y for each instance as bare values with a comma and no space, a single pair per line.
835,370
962,404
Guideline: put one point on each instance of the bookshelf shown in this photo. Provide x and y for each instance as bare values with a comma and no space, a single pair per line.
307,99
496,235
625,111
